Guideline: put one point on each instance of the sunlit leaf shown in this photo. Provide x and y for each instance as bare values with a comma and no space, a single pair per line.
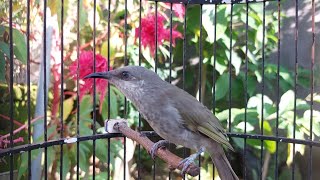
222,86
316,97
270,145
258,75
67,107
236,62
242,126
286,102
220,65
210,26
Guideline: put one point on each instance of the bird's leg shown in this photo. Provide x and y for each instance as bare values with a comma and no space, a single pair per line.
189,160
156,146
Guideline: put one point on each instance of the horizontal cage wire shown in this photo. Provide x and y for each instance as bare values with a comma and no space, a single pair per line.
253,64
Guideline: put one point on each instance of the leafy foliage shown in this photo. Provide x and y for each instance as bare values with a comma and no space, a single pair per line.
239,52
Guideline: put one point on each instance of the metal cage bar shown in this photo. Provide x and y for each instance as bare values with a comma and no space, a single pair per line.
13,150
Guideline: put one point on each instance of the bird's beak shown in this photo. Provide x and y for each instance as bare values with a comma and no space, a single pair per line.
103,75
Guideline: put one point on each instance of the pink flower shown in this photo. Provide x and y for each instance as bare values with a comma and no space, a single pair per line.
178,9
148,32
85,68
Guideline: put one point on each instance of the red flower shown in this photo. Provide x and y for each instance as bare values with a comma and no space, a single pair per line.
148,32
85,68
178,9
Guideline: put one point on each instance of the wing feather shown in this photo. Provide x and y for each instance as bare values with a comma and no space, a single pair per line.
200,119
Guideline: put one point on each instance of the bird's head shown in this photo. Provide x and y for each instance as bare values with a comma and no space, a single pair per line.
130,79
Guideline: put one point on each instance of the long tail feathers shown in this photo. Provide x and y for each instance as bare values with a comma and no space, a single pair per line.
221,163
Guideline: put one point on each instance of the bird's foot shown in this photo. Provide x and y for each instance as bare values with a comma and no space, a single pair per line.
156,146
189,160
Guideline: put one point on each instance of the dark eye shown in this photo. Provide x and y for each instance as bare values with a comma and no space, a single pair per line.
125,75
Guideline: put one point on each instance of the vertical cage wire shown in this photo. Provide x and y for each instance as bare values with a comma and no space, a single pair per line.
278,88
262,136
94,114
139,121
61,89
28,87
200,71
170,62
311,90
263,88
78,86
45,87
295,86
109,141
230,66
11,87
184,63
155,68
246,94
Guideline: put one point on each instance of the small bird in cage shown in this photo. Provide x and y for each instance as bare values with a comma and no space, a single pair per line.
174,114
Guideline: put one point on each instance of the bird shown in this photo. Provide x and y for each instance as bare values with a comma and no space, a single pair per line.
175,115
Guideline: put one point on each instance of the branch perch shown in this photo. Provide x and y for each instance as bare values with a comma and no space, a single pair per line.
120,126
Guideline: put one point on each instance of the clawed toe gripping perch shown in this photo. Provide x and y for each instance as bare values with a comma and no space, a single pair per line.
175,162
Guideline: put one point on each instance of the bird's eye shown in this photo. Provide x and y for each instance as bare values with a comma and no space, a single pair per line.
125,75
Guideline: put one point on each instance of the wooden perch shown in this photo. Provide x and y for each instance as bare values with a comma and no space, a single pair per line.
121,126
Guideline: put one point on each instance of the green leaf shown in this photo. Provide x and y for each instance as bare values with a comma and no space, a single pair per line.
316,97
316,129
113,104
20,48
256,102
101,150
210,26
258,75
23,166
104,111
51,155
286,76
222,86
286,102
241,126
67,107
66,163
2,68
221,66
193,18
252,85
85,107
251,21
164,51
84,153
236,62
270,145
316,121
84,129
83,15
4,47
51,130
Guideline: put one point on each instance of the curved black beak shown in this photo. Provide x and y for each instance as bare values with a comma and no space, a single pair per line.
103,75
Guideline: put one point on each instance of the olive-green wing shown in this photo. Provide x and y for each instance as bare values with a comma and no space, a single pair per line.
199,118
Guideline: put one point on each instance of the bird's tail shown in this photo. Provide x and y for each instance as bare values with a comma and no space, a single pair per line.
221,162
